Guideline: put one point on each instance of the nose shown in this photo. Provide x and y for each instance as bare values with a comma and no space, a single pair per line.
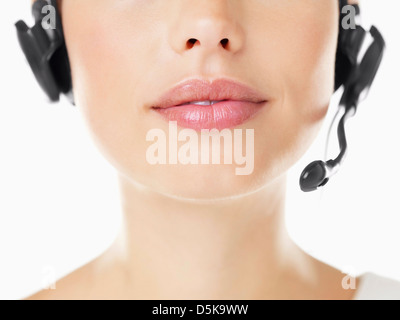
207,25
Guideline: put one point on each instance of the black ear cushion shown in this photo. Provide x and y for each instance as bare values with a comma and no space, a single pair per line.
342,69
59,61
59,64
343,64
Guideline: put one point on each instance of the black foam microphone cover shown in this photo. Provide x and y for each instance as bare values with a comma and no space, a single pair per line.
314,176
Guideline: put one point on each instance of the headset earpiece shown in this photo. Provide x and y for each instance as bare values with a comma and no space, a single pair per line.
46,52
363,74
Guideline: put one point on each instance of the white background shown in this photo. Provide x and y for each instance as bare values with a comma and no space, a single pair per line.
59,202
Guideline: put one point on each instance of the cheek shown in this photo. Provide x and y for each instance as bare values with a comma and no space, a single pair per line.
107,74
309,72
310,81
111,46
301,60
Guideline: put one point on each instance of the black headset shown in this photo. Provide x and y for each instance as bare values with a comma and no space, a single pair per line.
46,52
356,76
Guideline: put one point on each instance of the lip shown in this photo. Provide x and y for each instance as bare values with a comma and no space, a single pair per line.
240,104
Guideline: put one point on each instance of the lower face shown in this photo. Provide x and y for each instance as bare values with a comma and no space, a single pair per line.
125,54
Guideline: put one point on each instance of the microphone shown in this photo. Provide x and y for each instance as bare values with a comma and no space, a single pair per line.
318,172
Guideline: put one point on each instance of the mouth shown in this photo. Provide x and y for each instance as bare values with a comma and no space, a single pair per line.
220,115
197,104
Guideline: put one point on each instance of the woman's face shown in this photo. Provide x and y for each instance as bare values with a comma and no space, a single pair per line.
125,53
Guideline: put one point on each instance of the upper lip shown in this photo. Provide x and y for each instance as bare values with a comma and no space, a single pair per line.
204,90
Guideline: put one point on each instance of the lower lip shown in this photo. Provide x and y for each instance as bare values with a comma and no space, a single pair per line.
221,115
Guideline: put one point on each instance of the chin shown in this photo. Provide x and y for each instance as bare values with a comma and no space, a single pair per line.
202,182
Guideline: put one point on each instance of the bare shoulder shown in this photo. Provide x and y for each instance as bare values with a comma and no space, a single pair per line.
103,276
76,285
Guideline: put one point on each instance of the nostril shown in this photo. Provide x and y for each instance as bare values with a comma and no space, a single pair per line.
191,42
224,42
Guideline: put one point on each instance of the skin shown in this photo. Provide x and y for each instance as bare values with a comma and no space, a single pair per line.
201,232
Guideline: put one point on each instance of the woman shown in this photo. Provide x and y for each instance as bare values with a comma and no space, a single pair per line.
198,230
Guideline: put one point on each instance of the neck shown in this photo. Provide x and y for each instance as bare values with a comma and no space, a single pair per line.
237,248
